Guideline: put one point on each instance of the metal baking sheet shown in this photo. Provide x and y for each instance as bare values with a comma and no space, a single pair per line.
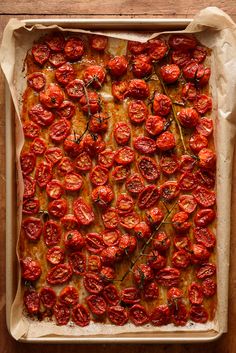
11,259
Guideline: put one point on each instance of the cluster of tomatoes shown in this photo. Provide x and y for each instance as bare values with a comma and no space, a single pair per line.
56,162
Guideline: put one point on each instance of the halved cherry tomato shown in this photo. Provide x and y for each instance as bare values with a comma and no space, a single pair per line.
189,92
157,49
96,304
124,155
98,123
111,255
207,159
141,66
40,52
99,175
119,90
148,197
182,242
75,89
127,243
27,161
107,274
154,216
59,130
161,242
30,269
111,295
38,146
59,274
174,295
83,212
92,283
209,287
41,116
136,47
179,314
166,141
66,110
33,228
187,181
117,315
168,277
52,233
187,203
110,218
122,133
31,301
68,296
188,117
203,104
169,164
205,237
55,255
170,73
83,162
65,74
61,313
170,190
36,81
55,41
106,158
117,66
94,76
155,260
52,96
73,182
43,174
90,103
53,155
77,262
182,42
190,70
181,259
154,124
99,43
129,220
200,254
120,173
150,291
180,222
29,187
142,274
102,195
74,240
138,89
80,315
148,168
180,58
124,204
134,184
206,270
199,54
144,145
31,130
57,208
161,104
137,111
48,297
74,49
204,197
204,217
94,264
160,315
57,59
69,221
110,237
186,163
94,243
31,206
205,126
142,230
198,314
197,142
138,315
54,189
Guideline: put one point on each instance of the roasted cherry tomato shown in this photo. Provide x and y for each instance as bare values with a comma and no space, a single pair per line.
204,197
155,260
66,110
74,49
136,47
43,174
122,133
142,274
30,269
138,89
170,73
90,103
197,142
160,315
205,237
29,187
65,74
110,218
111,295
134,184
142,230
74,240
61,313
154,124
83,162
181,259
36,81
180,58
154,216
148,197
77,262
180,222
150,291
148,168
80,315
161,242
68,296
98,123
207,159
187,181
168,277
189,92
57,208
48,297
117,66
31,130
200,254
198,314
59,130
124,155
203,104
157,49
33,228
127,243
119,90
69,221
30,206
107,274
102,195
99,43
199,53
169,164
75,89
182,242
92,283
52,233
53,155
83,212
57,59
94,264
27,161
129,220
59,274
99,175
111,255
120,173
124,204
187,203
38,146
188,117
161,104
182,42
179,314
166,141
205,126
96,304
54,189
144,145
170,190
141,66
186,163
137,111
206,270
52,96
138,315
73,182
40,53
41,116
73,145
94,76
31,301
209,287
55,41
204,217
94,243
117,315
110,237
55,255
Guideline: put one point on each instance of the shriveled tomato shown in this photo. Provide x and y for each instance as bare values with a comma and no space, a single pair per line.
111,255
119,90
154,216
111,295
92,283
74,240
31,130
200,254
99,175
29,187
31,206
127,243
174,295
83,212
161,104
160,315
186,163
80,315
181,259
142,274
136,47
102,195
137,111
83,162
148,197
124,155
122,133
61,313
129,220
204,217
187,203
141,66
180,58
111,237
154,124
90,103
138,89
207,159
161,242
170,190
27,161
117,315
188,117
55,41
148,168
144,145
30,269
179,314
168,277
187,181
54,189
170,73
182,42
74,48
96,304
204,197
57,208
166,141
209,287
189,92
138,315
98,123
59,274
52,233
66,110
59,130
197,142
77,262
75,89
142,230
205,126
94,264
94,243
169,164
38,146
124,204
190,70
48,297
134,184
205,237
94,76
41,116
203,104
55,255
33,228
36,81
107,274
182,242
40,52
120,173
99,43
52,96
57,59
157,49
199,53
150,291
117,66
73,182
31,301
180,222
53,155
43,174
198,314
155,260
206,270
65,74
68,296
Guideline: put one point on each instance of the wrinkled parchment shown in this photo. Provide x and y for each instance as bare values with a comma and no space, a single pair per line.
215,30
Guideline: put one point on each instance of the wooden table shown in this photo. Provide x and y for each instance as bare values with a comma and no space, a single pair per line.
125,8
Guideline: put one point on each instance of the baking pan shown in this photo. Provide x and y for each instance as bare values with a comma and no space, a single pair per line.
11,234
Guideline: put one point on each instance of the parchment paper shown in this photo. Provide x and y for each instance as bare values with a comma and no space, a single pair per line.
217,31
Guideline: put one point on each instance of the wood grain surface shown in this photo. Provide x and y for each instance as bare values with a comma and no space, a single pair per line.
108,8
